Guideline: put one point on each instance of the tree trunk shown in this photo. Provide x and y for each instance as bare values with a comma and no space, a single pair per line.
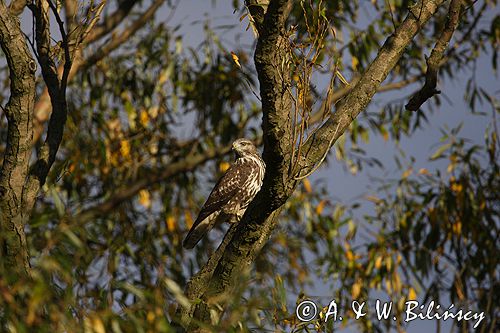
14,257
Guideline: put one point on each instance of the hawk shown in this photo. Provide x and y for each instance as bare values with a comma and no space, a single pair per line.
232,194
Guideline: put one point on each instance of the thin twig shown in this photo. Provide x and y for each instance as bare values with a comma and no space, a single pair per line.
434,61
392,14
322,159
65,45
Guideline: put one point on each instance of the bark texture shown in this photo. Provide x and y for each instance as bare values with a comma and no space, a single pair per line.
19,112
20,183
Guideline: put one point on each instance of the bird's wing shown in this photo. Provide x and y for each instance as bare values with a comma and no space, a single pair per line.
225,189
229,184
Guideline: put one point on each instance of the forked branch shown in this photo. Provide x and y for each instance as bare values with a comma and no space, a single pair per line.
57,91
434,61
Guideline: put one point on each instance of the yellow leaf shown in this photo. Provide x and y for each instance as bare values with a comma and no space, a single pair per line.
163,77
150,316
456,187
378,262
223,166
188,218
407,173
144,118
356,289
388,263
145,198
355,63
170,223
236,59
87,325
412,295
153,111
125,148
457,227
404,221
349,255
373,199
114,126
126,96
424,171
341,78
385,134
482,206
97,325
320,207
388,286
396,282
307,185
399,258
31,315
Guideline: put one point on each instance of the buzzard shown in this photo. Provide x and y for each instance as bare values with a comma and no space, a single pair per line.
232,194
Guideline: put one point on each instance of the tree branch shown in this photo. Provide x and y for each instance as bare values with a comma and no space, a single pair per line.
19,112
16,7
148,179
261,216
111,21
272,63
341,93
434,61
57,92
118,40
362,93
42,107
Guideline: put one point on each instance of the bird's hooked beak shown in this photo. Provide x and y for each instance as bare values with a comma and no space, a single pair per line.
234,149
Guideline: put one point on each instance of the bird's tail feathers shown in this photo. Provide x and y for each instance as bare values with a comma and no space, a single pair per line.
198,231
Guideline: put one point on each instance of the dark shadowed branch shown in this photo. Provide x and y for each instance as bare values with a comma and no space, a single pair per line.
57,92
19,112
110,24
435,59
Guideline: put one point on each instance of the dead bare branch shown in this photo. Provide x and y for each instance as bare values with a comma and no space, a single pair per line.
434,61
57,92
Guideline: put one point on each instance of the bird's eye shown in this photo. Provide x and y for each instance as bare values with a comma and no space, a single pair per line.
243,143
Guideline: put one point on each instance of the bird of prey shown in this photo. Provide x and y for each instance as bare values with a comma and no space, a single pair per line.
232,194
